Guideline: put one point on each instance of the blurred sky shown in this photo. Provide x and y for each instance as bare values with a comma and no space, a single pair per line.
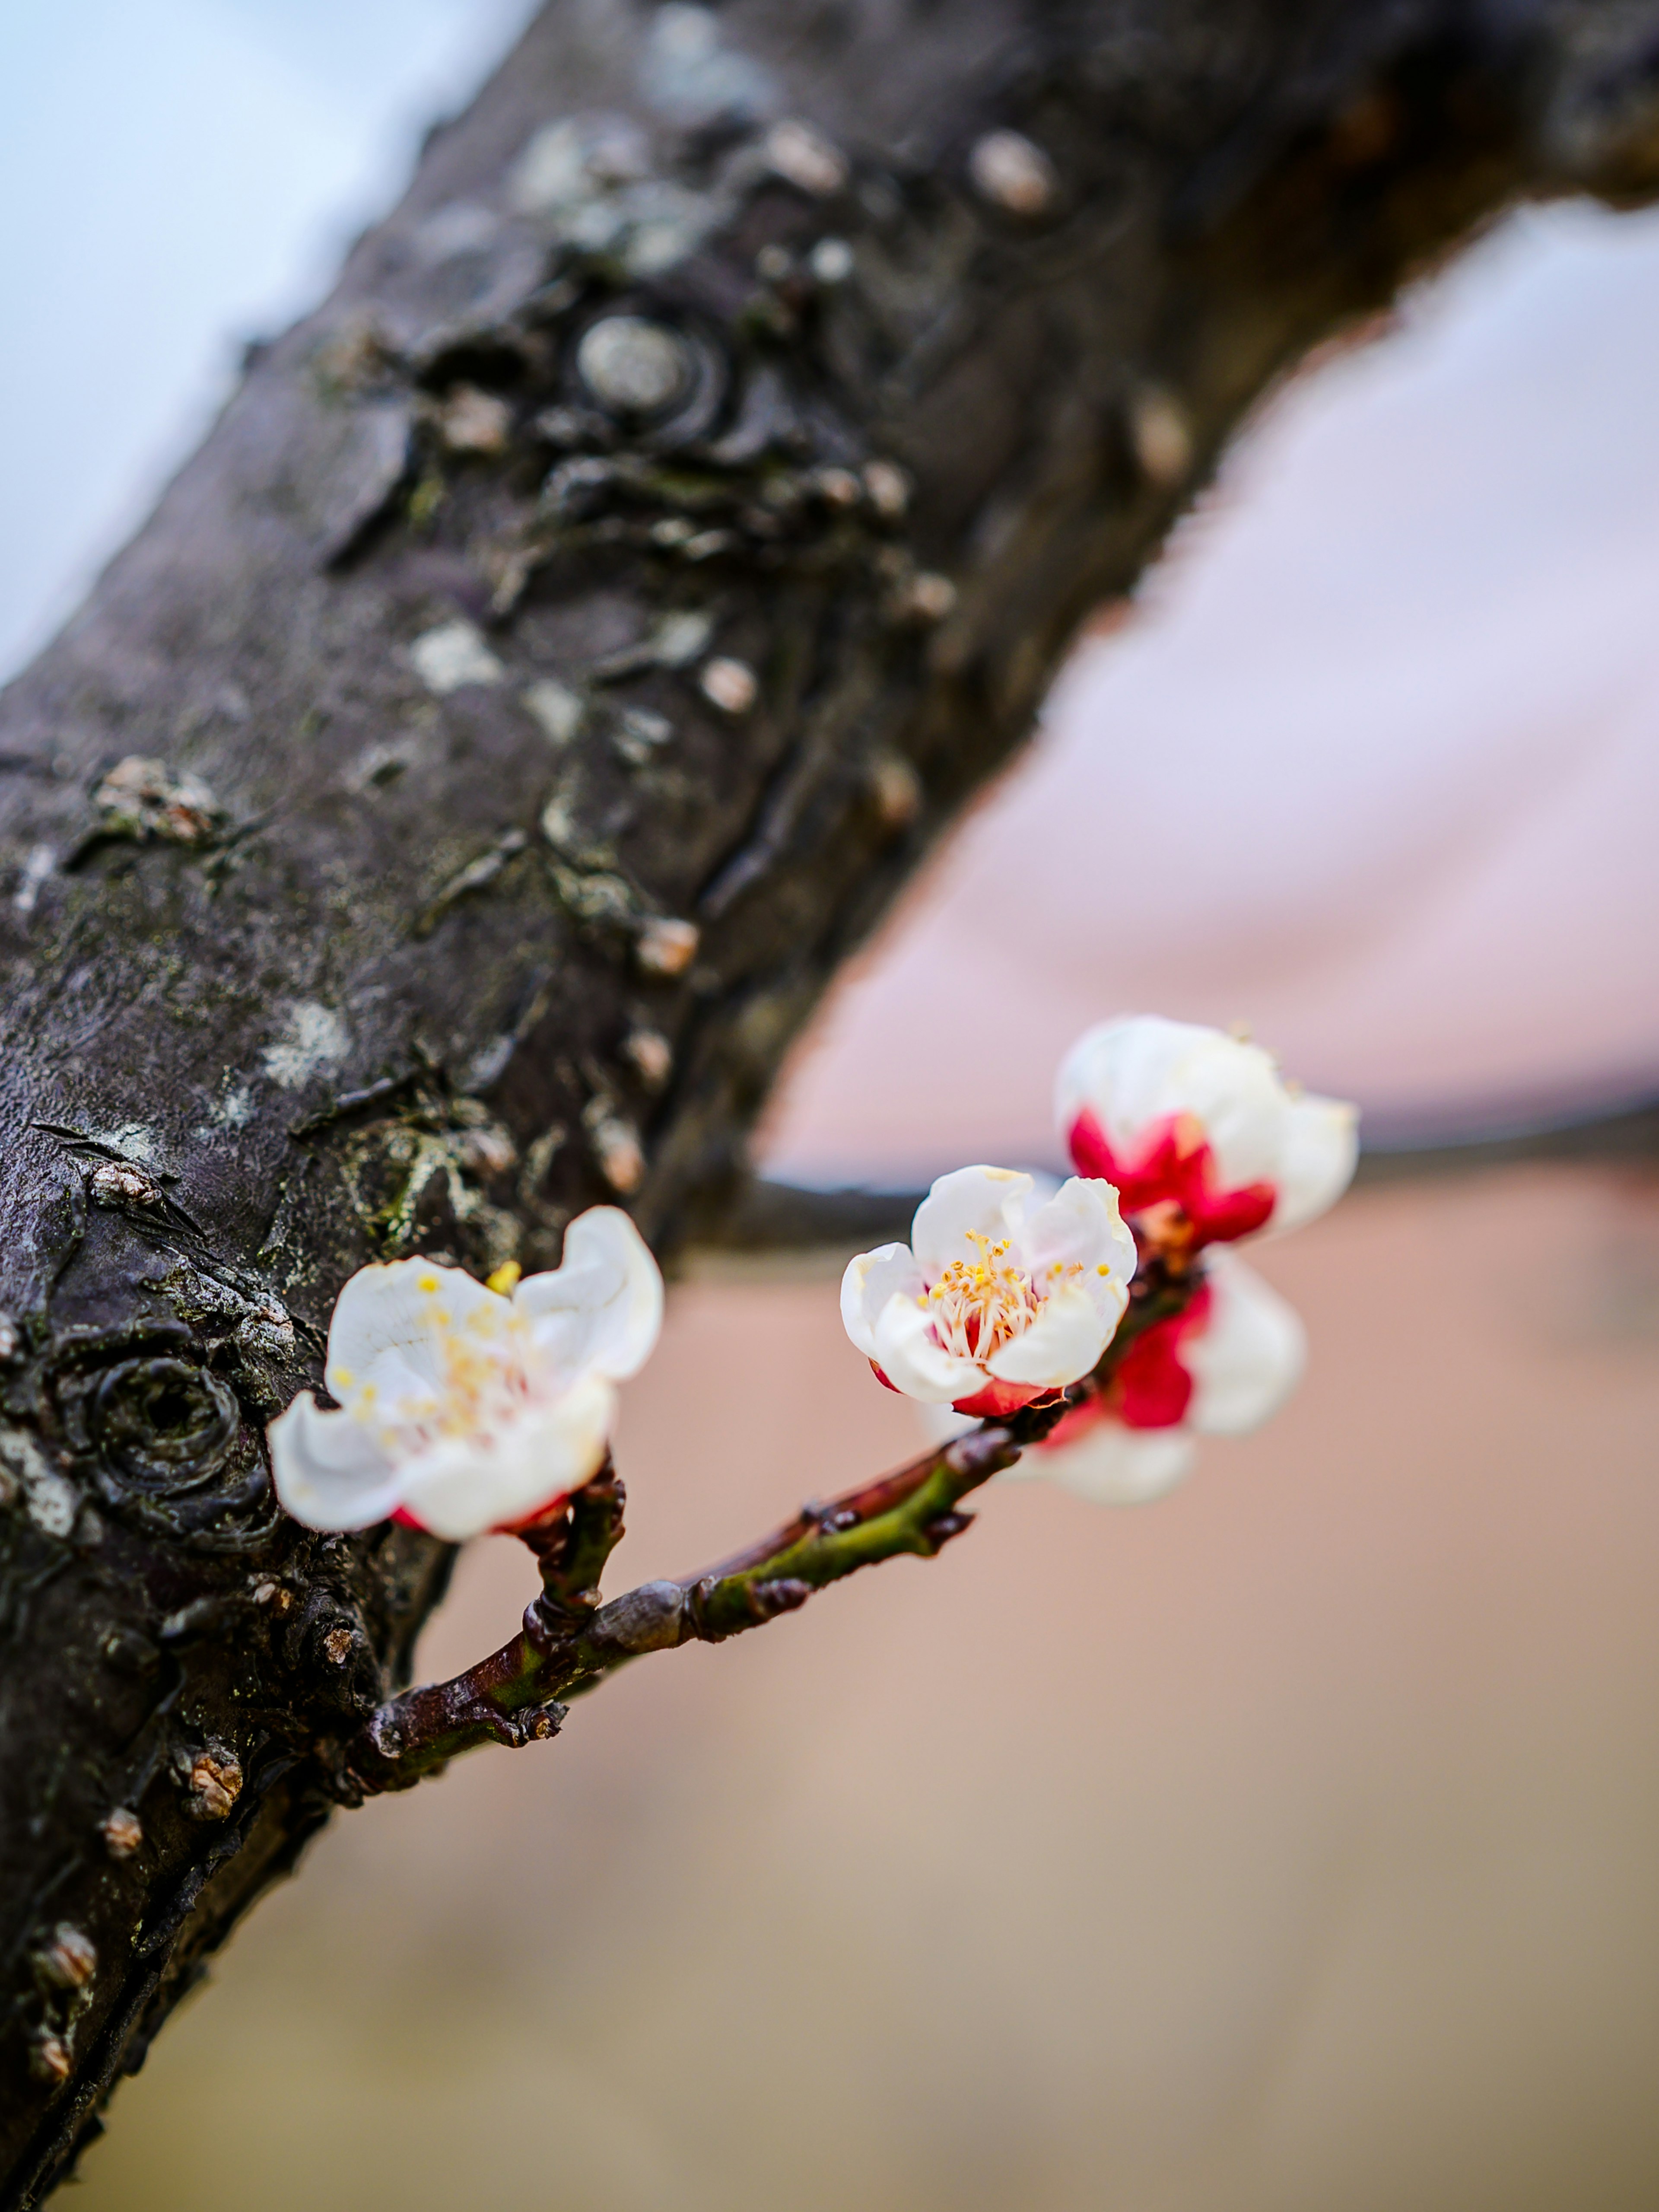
1373,768
176,178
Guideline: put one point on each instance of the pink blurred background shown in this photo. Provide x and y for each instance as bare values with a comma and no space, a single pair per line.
1288,1844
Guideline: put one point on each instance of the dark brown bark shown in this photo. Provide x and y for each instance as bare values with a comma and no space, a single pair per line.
376,964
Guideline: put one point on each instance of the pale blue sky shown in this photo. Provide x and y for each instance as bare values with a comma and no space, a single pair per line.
175,177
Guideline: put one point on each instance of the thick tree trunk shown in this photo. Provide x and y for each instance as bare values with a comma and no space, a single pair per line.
446,813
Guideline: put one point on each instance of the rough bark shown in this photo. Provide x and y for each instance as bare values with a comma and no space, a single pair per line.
379,959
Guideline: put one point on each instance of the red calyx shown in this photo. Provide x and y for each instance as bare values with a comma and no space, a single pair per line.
990,1404
1176,1166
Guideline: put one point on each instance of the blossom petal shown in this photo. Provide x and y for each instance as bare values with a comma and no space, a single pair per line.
1110,1465
396,1307
1142,1070
1317,1159
601,1308
1080,1225
1248,1356
870,1280
977,1200
462,1487
391,1387
328,1470
1065,1340
912,1359
1120,1069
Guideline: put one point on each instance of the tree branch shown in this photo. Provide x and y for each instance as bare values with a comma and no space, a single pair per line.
447,810
569,1642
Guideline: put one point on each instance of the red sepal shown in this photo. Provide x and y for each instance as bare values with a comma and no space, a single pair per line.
990,1404
1176,1166
997,1399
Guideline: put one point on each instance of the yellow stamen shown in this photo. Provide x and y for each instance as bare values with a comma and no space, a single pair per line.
977,1306
504,1279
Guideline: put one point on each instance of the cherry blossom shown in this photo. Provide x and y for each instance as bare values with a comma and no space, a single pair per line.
465,1407
1203,1139
1000,1296
1219,1368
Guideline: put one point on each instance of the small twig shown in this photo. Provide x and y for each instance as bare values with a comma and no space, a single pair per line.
564,1647
572,1547
570,1641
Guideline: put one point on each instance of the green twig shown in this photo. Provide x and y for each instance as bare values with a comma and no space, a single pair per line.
570,1642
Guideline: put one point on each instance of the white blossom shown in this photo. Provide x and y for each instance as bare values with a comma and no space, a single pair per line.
1191,1121
1000,1297
462,1408
1219,1369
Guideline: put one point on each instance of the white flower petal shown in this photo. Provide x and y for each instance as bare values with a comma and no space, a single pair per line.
1064,1341
1248,1356
601,1308
987,1201
1110,1465
393,1307
908,1355
461,1488
393,1388
1080,1224
870,1280
327,1469
1142,1070
1117,1070
1320,1152
1234,1092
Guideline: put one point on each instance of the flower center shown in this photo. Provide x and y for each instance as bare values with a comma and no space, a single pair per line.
484,1380
978,1305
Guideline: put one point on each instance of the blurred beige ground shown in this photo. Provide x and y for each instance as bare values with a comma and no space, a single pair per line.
1285,1846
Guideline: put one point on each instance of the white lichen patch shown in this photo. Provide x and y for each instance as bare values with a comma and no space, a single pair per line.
381,764
234,1110
136,1140
555,707
458,226
564,163
681,637
634,366
452,655
32,878
831,261
314,1041
689,74
49,1499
